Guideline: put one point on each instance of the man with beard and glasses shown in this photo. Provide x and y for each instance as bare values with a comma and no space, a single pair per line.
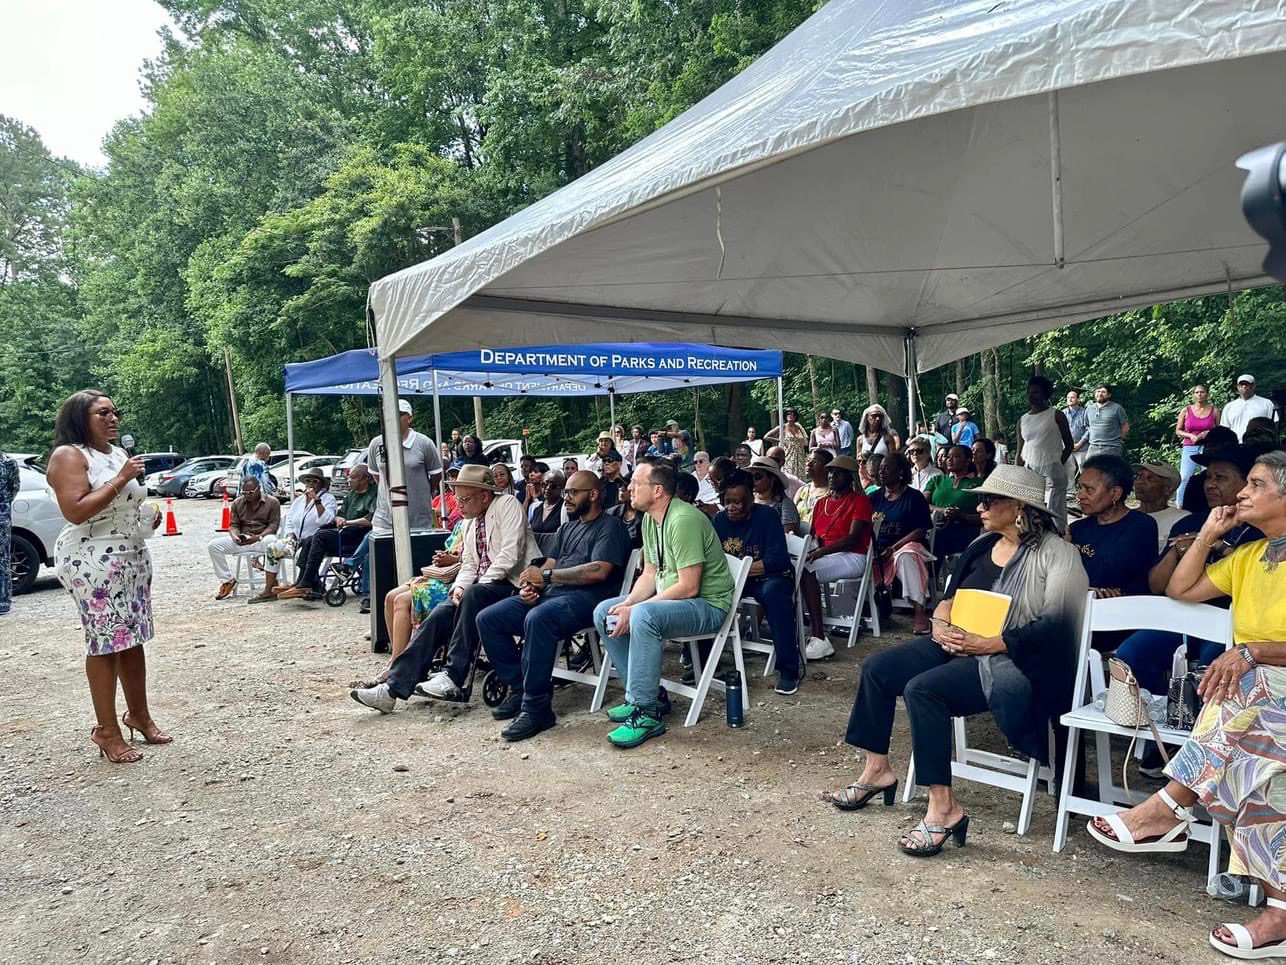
556,598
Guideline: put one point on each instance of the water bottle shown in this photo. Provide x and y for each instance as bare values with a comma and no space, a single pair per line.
1227,887
1158,709
732,699
1100,700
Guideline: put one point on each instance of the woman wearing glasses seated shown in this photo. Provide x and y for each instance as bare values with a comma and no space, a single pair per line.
770,491
1024,675
1234,762
902,527
922,467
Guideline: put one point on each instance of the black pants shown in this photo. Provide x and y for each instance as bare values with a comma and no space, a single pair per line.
330,541
935,687
455,625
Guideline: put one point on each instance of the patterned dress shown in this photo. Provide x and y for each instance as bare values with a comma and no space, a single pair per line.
104,563
8,490
430,593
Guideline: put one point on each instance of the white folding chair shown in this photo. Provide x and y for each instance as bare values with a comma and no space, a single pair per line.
705,674
864,599
797,547
1198,620
995,770
598,677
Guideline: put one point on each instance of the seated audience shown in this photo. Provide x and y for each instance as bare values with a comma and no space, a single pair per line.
1154,484
626,511
953,503
1194,495
922,467
496,547
842,528
351,524
531,482
901,536
770,490
1232,763
868,467
505,482
940,457
449,514
311,510
685,589
570,467
550,513
1024,675
254,519
686,487
1117,544
819,484
556,598
793,484
707,494
613,484
1260,431
983,456
752,529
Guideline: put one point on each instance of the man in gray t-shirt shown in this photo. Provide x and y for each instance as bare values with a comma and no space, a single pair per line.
423,470
1109,425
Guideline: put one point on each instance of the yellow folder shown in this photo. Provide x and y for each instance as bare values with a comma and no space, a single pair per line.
980,611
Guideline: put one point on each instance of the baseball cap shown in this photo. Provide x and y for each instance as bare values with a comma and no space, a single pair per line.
672,424
1246,378
952,395
964,410
403,407
613,456
1162,469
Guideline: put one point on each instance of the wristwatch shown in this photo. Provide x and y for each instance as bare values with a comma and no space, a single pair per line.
547,576
1245,654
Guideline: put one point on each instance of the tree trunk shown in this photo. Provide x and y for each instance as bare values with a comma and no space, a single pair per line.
988,397
812,383
994,356
960,377
737,414
897,403
872,385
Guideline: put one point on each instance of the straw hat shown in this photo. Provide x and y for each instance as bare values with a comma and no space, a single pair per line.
764,464
1015,482
847,463
475,477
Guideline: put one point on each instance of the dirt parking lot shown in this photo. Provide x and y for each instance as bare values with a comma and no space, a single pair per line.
287,824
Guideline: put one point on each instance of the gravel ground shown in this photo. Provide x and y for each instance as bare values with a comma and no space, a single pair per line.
287,824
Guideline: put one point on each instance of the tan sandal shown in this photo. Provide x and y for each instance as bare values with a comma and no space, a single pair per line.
153,736
128,756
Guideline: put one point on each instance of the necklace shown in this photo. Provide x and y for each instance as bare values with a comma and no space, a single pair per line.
1274,553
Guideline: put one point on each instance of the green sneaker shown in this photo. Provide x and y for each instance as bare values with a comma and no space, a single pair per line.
622,712
641,726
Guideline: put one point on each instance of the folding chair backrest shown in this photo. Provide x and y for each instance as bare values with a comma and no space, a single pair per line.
798,547
740,567
1199,621
630,572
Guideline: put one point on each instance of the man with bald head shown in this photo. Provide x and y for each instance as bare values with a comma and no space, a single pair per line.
556,598
778,455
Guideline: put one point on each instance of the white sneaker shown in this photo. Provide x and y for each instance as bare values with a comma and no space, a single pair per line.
441,686
817,648
377,698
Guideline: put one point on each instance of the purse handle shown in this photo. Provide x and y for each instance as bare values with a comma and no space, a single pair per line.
1121,671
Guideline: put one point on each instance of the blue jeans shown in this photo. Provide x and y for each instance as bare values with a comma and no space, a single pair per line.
1187,469
776,594
637,653
542,627
1151,652
361,557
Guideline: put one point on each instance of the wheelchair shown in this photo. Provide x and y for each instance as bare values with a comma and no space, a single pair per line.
339,581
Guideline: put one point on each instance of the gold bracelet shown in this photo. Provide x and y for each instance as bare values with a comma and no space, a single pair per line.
1206,543
115,488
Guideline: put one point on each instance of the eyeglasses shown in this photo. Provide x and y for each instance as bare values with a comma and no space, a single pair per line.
756,476
574,491
915,452
109,413
987,501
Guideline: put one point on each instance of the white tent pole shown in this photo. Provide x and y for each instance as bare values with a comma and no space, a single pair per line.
290,442
781,413
1056,177
912,396
437,427
611,406
396,468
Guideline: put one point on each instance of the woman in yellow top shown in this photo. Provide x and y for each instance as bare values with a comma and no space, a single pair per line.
1234,762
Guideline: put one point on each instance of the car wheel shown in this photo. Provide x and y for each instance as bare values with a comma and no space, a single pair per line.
24,564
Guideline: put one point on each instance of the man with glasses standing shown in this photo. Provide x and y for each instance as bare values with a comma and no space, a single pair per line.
844,429
685,589
556,598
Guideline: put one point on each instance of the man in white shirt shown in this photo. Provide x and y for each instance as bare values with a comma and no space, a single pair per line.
707,495
496,547
844,429
1238,413
778,455
606,444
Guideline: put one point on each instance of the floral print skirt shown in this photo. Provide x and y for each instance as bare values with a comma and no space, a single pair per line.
110,578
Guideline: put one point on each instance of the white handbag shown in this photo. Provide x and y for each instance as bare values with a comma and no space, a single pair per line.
1124,705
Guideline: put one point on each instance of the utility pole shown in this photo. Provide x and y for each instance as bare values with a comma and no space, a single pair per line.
232,401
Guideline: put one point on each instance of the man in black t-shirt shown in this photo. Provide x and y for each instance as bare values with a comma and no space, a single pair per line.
557,597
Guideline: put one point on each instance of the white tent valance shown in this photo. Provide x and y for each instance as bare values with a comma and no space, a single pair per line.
967,173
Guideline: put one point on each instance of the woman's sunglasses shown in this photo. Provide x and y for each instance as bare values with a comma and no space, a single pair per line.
986,502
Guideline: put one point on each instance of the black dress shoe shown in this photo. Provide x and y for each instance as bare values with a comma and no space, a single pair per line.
525,725
508,708
366,605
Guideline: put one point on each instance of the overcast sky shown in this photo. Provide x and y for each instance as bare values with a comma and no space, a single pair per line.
70,68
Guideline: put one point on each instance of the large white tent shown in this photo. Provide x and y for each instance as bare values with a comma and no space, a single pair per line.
931,175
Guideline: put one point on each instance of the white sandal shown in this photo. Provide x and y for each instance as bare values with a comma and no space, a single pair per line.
1173,841
1245,948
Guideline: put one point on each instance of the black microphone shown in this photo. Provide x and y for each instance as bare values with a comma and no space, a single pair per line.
127,443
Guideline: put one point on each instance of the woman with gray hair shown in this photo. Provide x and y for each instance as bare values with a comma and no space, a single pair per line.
1234,764
1024,673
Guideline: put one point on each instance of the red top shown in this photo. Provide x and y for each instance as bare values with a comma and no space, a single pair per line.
834,516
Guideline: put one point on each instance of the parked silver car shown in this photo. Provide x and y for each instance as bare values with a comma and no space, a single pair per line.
37,521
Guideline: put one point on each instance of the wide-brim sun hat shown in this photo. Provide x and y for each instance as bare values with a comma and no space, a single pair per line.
764,464
847,463
1243,457
475,477
1027,486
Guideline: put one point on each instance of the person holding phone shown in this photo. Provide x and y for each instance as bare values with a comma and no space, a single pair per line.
1024,675
101,558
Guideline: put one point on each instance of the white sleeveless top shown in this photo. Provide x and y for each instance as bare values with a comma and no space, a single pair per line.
121,517
1042,442
881,448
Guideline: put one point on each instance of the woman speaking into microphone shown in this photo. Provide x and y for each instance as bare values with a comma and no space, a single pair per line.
102,560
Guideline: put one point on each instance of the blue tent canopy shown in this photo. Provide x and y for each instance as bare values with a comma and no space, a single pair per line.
550,370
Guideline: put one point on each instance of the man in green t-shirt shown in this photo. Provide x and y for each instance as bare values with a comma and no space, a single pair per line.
685,589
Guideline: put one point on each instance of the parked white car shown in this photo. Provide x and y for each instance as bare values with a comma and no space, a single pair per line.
37,521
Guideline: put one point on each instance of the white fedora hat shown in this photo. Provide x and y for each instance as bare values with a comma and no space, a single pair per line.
1015,482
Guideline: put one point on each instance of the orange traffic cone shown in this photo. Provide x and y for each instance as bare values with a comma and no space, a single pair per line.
225,520
171,524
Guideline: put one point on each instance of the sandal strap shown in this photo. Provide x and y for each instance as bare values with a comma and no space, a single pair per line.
1275,903
1244,942
1181,813
925,830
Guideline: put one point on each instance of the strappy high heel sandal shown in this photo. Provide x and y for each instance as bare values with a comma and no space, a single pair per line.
928,849
157,736
859,794
1173,841
1245,949
127,756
